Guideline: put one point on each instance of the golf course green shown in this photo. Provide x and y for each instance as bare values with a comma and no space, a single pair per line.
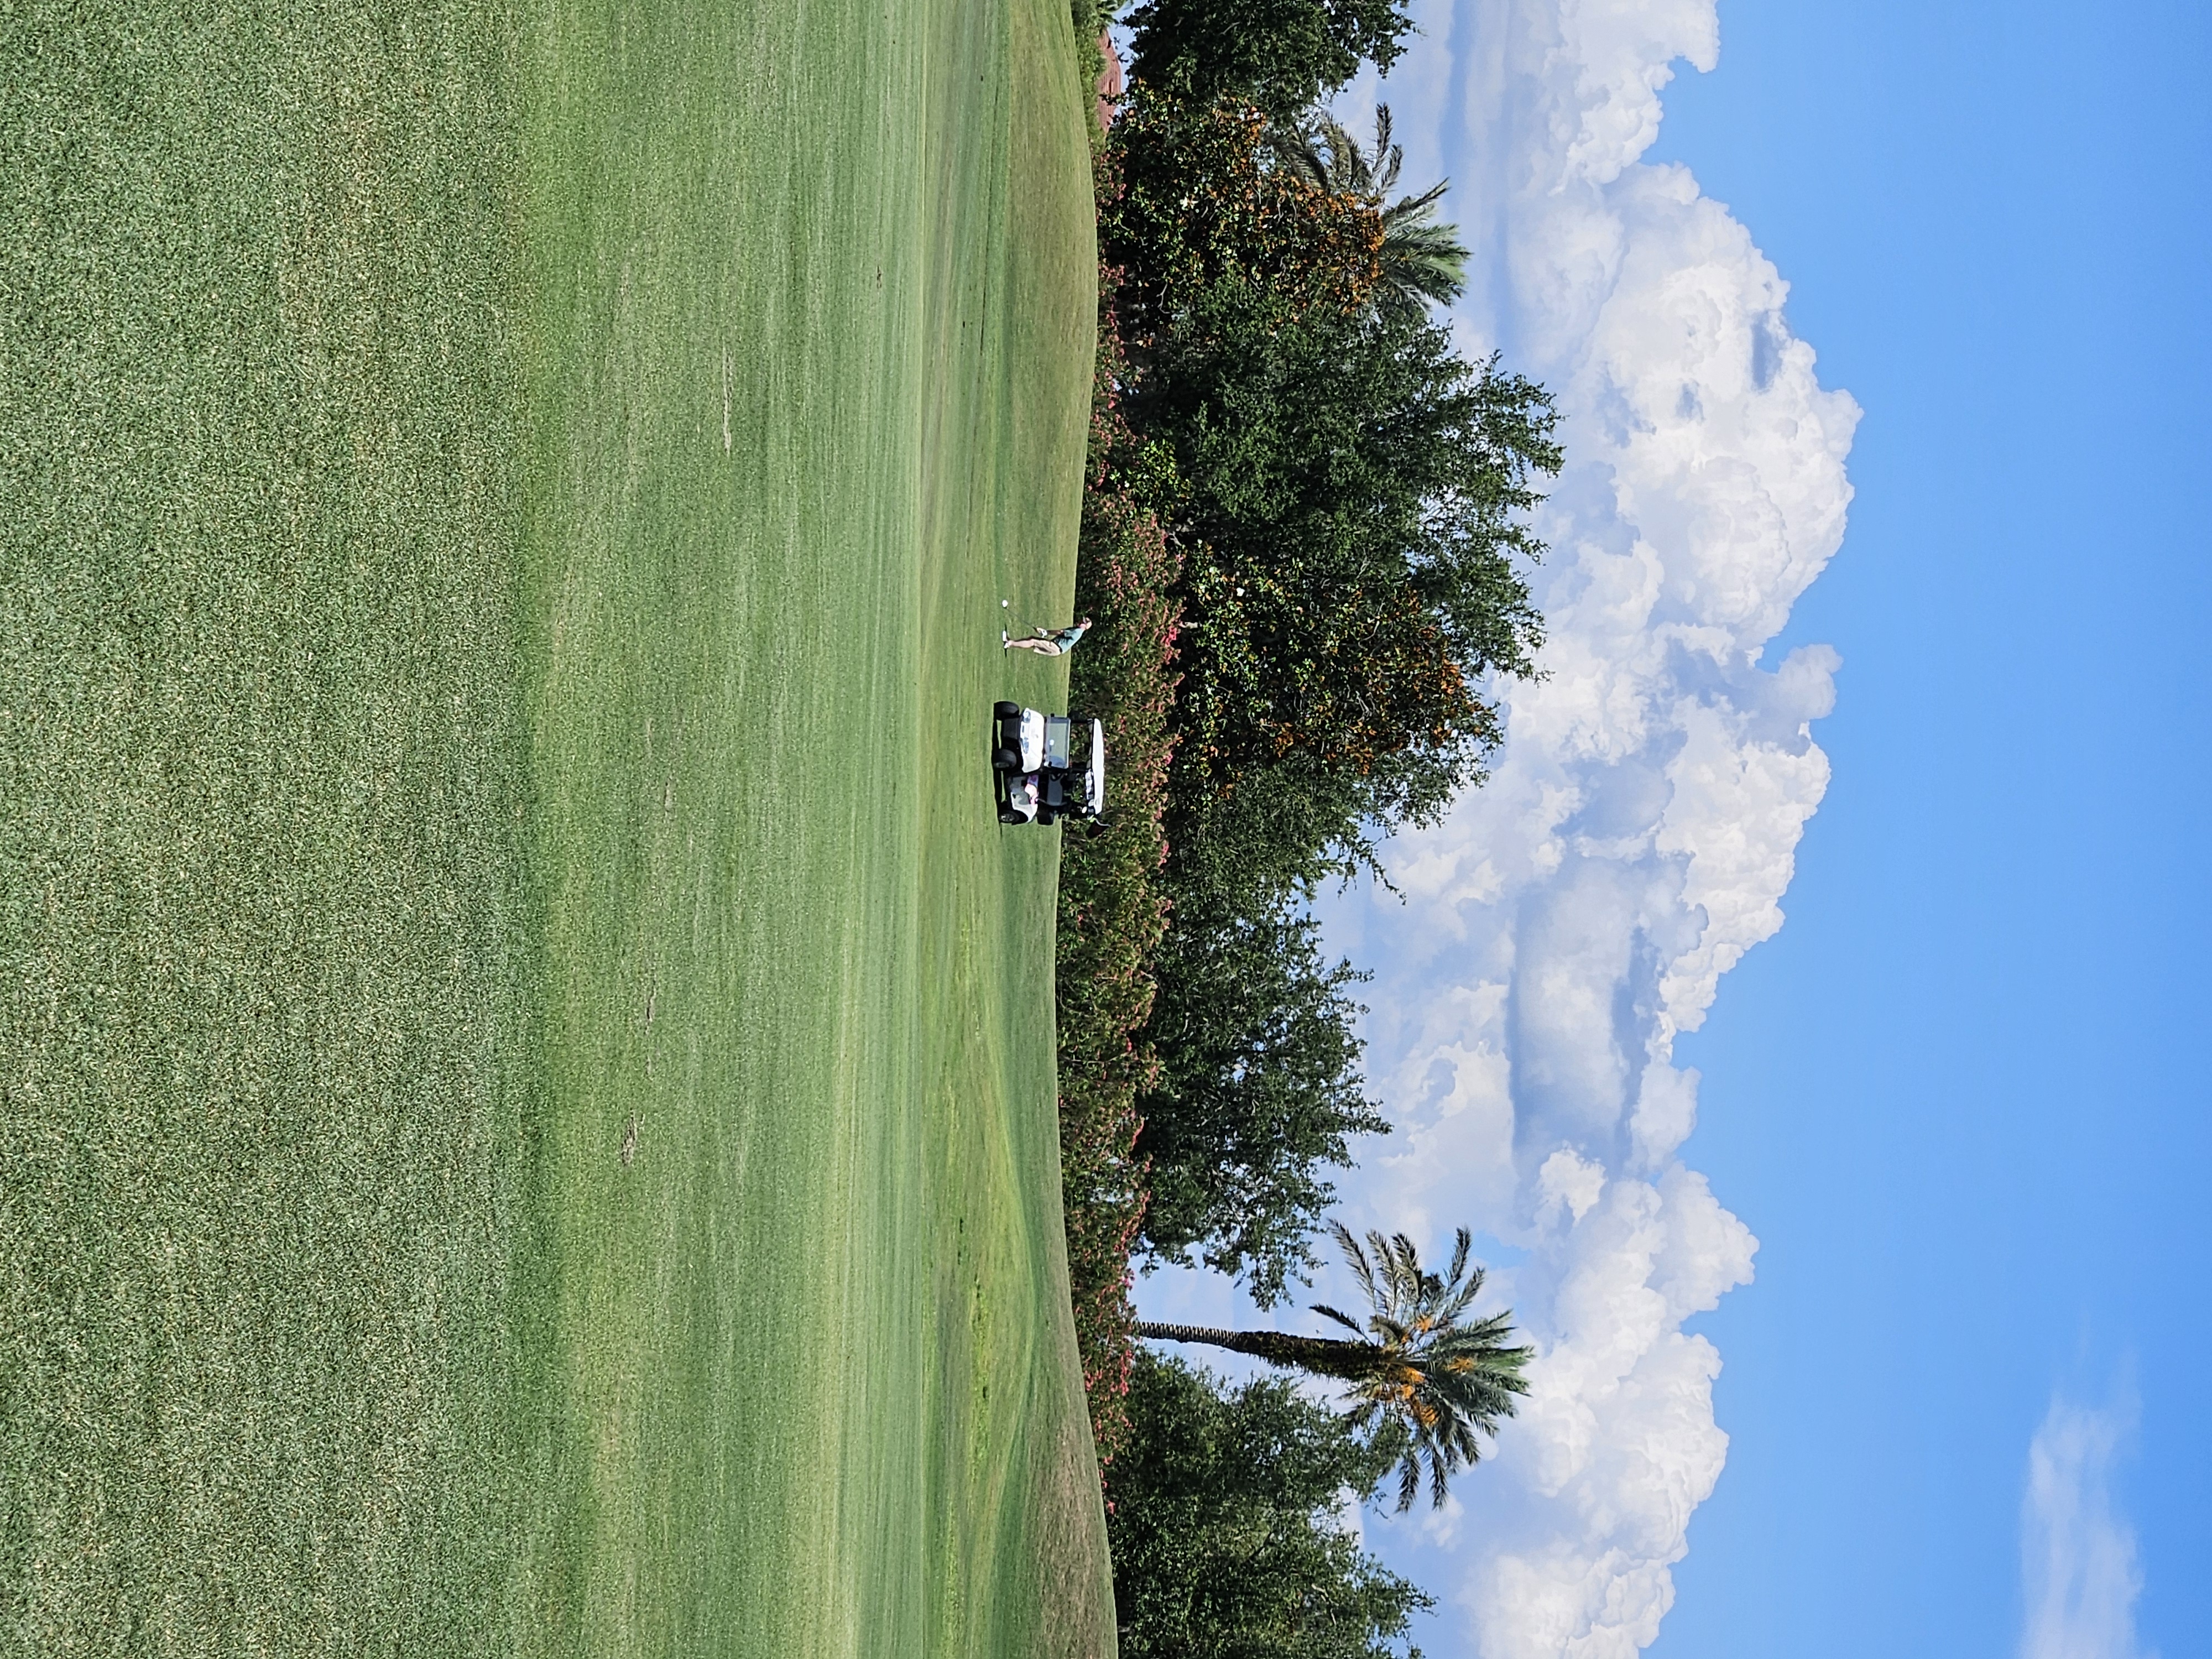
526,1063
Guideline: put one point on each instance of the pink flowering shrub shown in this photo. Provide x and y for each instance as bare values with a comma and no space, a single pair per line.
1112,913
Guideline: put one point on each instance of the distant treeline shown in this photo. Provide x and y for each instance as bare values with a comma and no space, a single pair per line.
1306,544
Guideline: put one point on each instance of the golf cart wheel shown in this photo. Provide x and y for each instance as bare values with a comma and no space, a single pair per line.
1046,815
1007,711
1005,759
1009,816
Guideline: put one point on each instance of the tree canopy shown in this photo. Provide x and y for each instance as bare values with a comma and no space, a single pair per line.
1346,498
1280,54
1223,1525
1347,493
1259,1088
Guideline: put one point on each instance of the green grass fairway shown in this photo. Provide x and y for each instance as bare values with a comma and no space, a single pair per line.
525,1064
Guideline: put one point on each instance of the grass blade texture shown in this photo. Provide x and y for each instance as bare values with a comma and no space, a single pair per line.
526,1096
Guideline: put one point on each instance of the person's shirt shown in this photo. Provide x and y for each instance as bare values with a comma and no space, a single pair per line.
1066,637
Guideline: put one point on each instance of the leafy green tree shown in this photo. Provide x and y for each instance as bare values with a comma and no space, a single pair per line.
1352,494
1350,491
1258,1089
1197,199
1222,1525
1280,54
1426,1385
1258,1092
1345,499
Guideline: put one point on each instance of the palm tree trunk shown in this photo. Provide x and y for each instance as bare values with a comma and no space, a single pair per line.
1323,1356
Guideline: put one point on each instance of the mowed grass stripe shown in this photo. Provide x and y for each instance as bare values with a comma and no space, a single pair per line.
264,959
506,514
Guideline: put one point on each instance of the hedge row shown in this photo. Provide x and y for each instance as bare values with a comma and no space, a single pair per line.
1112,913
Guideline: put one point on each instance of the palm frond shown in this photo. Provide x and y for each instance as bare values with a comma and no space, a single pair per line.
1404,1274
1395,152
1356,1259
1408,210
1343,1319
1461,1298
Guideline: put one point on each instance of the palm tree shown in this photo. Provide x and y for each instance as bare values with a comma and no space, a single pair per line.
1421,258
1415,1372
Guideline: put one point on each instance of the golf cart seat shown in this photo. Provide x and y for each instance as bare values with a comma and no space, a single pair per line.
1035,774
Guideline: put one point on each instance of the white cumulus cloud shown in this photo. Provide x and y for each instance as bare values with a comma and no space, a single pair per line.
2077,1555
1568,921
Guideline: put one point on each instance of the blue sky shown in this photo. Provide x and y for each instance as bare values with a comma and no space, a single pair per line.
1962,1097
1905,1338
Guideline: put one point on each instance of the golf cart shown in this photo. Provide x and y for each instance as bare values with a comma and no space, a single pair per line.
1032,772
